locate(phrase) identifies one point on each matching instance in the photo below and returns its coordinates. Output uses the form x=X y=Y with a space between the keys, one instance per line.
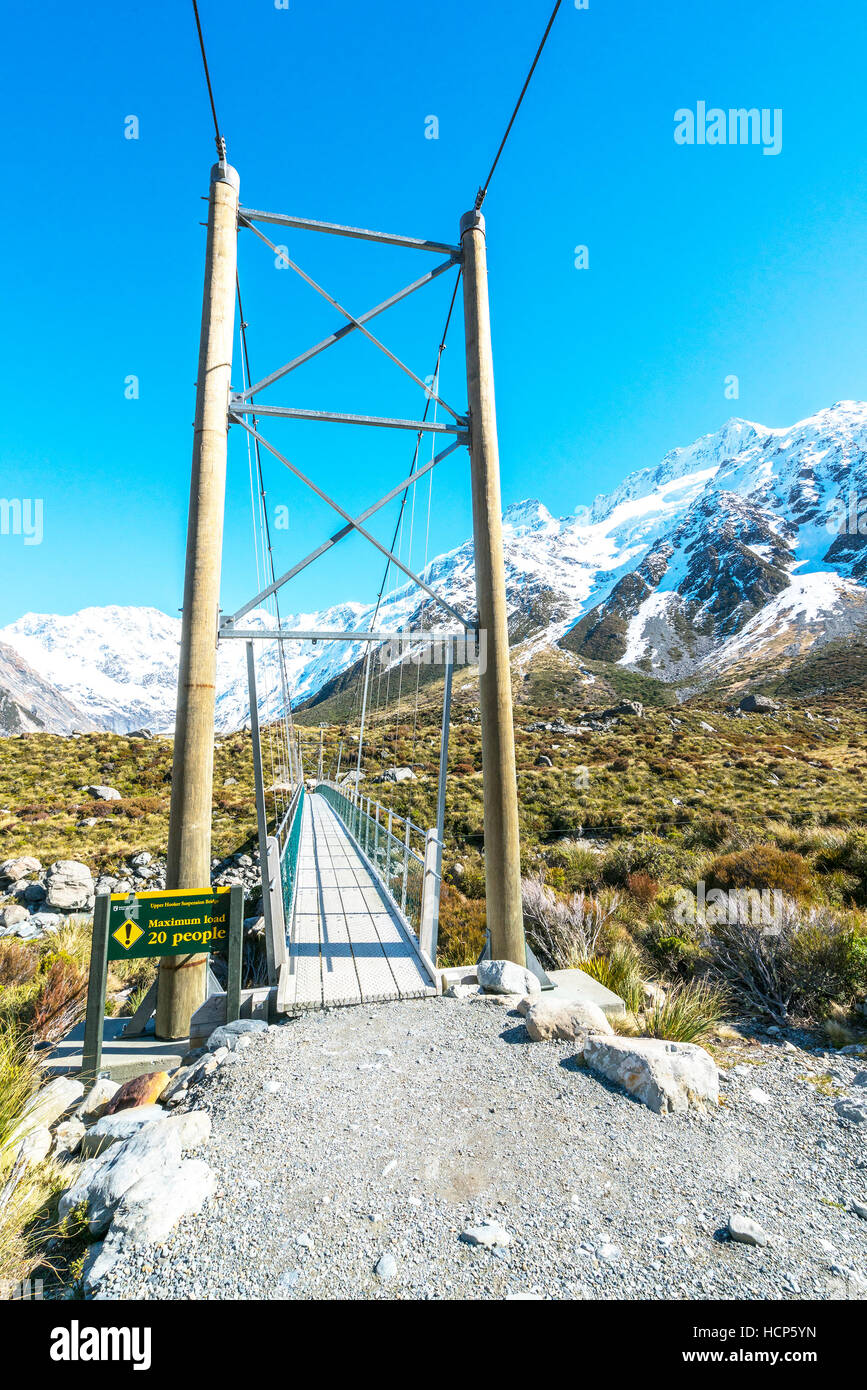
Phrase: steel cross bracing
x=241 y=405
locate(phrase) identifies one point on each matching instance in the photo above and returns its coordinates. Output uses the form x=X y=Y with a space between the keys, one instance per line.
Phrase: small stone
x=385 y=1267
x=848 y=1110
x=760 y=1097
x=489 y=1234
x=609 y=1252
x=746 y=1231
x=67 y=1138
x=860 y=1209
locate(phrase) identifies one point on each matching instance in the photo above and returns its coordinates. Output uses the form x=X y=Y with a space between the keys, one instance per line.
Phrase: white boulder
x=103 y=793
x=69 y=886
x=560 y=1020
x=101 y=1092
x=505 y=977
x=666 y=1076
x=116 y=1129
x=47 y=1106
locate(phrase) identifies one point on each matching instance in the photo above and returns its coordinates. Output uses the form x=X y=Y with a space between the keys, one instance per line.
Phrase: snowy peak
x=529 y=515
x=745 y=545
x=682 y=465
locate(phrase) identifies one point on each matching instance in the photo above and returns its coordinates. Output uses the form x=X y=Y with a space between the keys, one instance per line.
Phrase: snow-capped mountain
x=745 y=546
x=28 y=704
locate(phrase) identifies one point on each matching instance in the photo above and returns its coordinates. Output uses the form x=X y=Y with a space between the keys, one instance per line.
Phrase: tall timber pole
x=502 y=843
x=182 y=979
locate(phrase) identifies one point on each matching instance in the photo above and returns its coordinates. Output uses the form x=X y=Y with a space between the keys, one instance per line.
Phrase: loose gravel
x=355 y=1148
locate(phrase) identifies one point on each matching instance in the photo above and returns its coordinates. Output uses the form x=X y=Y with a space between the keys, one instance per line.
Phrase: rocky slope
x=28 y=703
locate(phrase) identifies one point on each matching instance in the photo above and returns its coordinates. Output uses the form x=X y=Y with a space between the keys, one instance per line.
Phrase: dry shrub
x=800 y=966
x=762 y=866
x=643 y=888
x=563 y=932
x=18 y=963
x=461 y=929
x=60 y=1001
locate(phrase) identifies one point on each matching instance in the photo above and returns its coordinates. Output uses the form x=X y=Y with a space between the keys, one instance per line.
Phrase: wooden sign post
x=186 y=922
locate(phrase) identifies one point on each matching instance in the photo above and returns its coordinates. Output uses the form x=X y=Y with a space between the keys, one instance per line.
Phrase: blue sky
x=704 y=261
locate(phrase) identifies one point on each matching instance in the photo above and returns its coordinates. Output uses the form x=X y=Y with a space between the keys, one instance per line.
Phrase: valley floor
x=346 y=1135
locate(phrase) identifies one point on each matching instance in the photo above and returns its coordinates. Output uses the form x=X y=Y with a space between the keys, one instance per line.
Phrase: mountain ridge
x=719 y=557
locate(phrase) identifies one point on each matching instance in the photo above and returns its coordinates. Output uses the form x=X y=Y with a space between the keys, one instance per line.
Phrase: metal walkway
x=347 y=942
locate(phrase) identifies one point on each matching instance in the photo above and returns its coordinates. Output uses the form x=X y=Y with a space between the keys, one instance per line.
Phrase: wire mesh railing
x=394 y=845
x=288 y=837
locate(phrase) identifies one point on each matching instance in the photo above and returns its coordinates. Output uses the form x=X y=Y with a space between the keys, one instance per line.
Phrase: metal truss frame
x=241 y=405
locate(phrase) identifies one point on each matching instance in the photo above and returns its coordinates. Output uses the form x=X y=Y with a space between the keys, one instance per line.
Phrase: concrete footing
x=122 y=1058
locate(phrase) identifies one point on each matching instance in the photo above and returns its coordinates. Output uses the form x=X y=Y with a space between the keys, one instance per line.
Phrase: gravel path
x=340 y=1137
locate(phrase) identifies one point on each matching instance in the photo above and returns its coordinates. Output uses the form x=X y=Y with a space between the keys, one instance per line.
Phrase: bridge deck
x=347 y=942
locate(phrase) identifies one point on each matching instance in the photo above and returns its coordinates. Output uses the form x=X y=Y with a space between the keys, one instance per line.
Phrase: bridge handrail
x=409 y=875
x=288 y=837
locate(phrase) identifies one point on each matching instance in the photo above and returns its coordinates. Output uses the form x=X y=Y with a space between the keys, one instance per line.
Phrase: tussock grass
x=620 y=970
x=690 y=1012
x=19 y=1078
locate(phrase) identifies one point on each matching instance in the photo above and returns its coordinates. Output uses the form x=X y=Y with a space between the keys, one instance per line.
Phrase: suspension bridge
x=350 y=890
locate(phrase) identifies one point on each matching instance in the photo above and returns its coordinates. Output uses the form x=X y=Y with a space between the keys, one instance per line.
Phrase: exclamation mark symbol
x=128 y=931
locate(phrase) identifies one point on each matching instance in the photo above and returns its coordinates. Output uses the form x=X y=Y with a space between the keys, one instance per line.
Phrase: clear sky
x=704 y=261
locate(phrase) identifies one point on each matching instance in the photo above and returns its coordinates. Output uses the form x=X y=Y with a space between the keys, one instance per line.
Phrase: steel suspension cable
x=483 y=191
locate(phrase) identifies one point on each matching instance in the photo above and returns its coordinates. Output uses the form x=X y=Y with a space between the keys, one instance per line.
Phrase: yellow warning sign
x=127 y=934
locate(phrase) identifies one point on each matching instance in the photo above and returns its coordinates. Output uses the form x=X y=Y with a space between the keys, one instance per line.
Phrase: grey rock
x=100 y=793
x=625 y=707
x=35 y=1147
x=848 y=1110
x=101 y=1092
x=505 y=977
x=758 y=704
x=21 y=867
x=192 y=1128
x=665 y=1076
x=70 y=886
x=153 y=1205
x=13 y=914
x=746 y=1231
x=490 y=1234
x=47 y=1105
x=228 y=1034
x=565 y=1021
x=385 y=1267
x=116 y=1129
x=102 y=1182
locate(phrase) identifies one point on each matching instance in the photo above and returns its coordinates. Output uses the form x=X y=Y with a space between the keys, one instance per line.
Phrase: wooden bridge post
x=182 y=979
x=502 y=843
